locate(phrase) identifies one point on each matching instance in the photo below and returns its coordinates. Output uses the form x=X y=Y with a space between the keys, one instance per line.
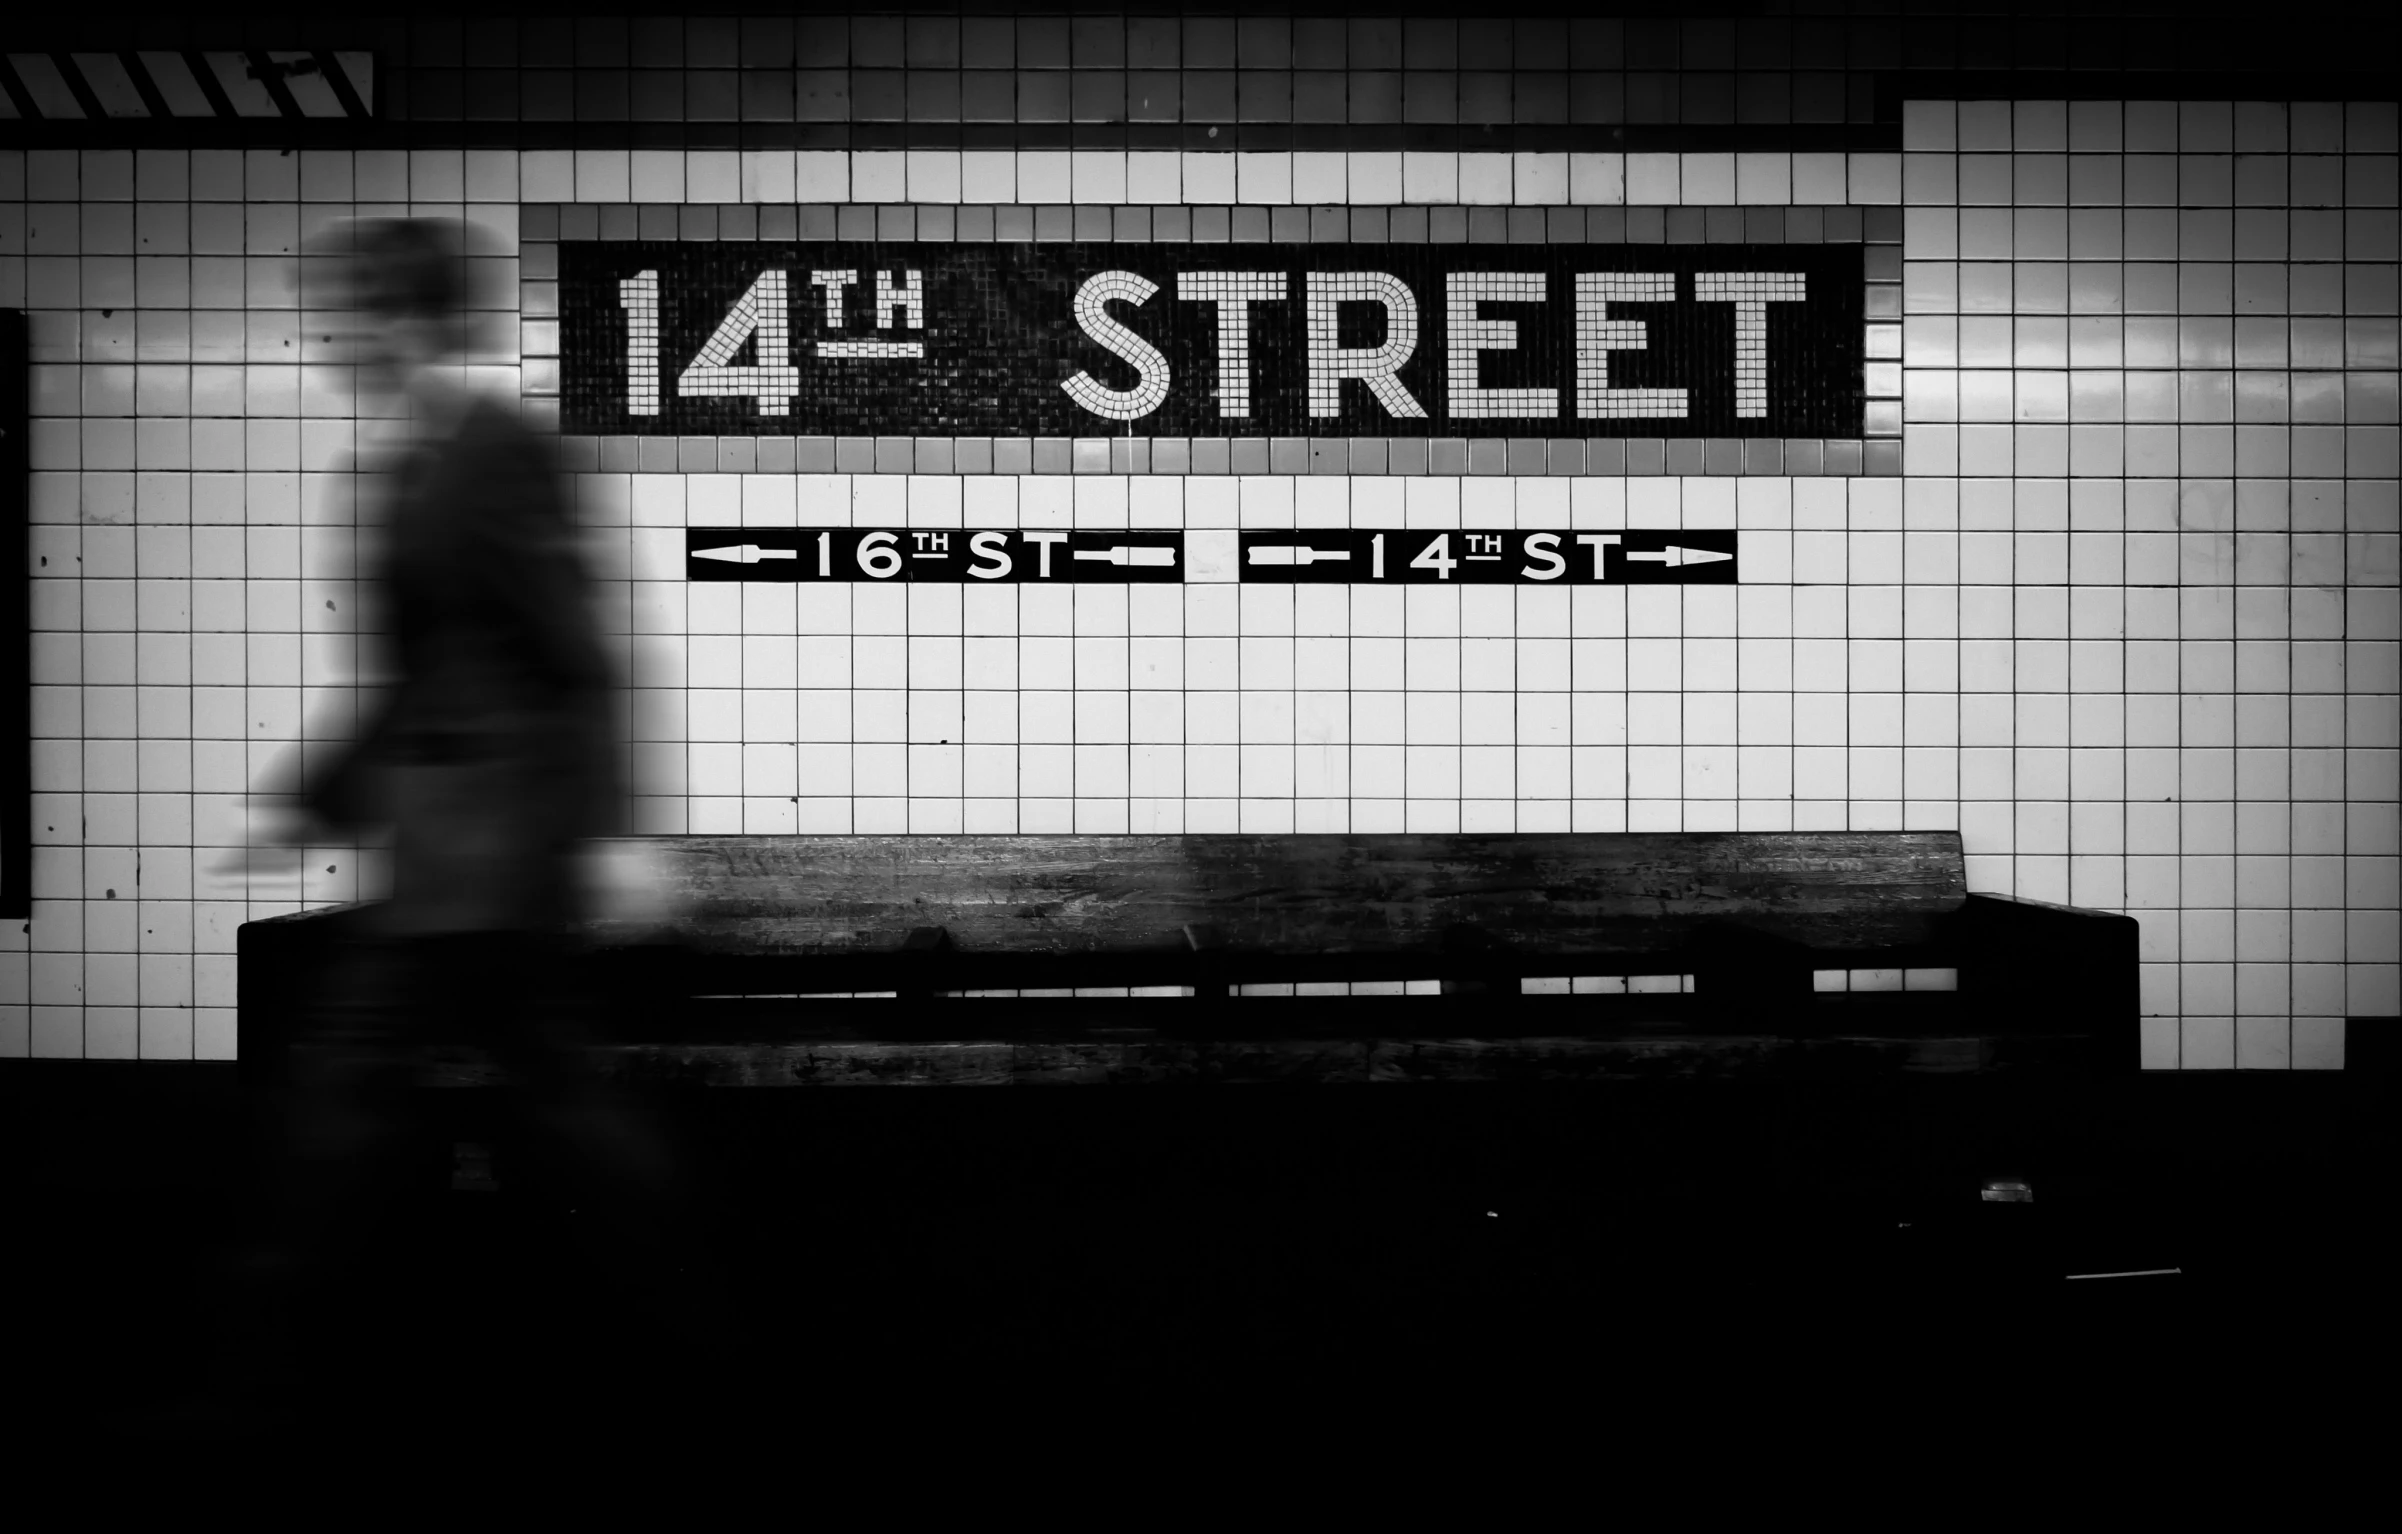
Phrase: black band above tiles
x=1892 y=89
x=1768 y=111
x=1246 y=138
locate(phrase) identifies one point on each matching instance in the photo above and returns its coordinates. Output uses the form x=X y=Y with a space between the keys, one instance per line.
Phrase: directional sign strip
x=998 y=556
x=1463 y=557
x=1275 y=556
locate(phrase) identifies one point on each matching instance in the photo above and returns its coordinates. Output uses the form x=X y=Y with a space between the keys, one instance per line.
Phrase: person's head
x=396 y=292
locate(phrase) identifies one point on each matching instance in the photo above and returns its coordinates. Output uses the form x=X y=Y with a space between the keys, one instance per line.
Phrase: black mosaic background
x=1001 y=337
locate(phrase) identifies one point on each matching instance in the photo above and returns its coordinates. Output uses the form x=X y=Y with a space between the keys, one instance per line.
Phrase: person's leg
x=572 y=1136
x=354 y=1139
x=604 y=1169
x=588 y=1152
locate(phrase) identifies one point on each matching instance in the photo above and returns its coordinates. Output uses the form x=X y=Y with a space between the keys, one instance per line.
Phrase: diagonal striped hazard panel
x=264 y=84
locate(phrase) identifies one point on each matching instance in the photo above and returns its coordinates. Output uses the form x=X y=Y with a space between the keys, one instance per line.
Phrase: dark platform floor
x=1105 y=1262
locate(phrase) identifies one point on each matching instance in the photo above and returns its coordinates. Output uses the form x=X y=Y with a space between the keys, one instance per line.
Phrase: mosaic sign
x=1280 y=556
x=698 y=338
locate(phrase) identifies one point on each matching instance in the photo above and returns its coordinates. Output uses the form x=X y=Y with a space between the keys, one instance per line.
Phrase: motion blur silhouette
x=485 y=748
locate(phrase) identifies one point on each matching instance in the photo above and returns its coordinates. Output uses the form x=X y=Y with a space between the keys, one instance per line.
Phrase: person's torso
x=483 y=592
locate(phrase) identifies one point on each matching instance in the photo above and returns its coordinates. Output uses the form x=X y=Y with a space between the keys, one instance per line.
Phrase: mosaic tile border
x=543 y=226
x=1875 y=224
x=1412 y=456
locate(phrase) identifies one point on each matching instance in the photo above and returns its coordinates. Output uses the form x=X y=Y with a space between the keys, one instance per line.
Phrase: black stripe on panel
x=19 y=96
x=78 y=87
x=219 y=103
x=152 y=101
x=271 y=75
x=339 y=83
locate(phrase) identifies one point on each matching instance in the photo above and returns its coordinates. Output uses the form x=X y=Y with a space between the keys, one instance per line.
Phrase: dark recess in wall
x=16 y=673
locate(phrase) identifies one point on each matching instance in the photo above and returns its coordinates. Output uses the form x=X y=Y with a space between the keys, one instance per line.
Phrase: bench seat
x=816 y=960
x=1137 y=1056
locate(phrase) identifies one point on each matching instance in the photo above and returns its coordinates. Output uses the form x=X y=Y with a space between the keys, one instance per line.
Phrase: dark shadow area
x=1098 y=1258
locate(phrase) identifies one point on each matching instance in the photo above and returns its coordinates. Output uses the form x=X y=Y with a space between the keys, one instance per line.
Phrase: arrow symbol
x=1280 y=554
x=1673 y=556
x=745 y=554
x=1130 y=554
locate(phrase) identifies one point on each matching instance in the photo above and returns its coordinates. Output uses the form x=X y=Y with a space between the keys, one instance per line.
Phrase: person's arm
x=338 y=792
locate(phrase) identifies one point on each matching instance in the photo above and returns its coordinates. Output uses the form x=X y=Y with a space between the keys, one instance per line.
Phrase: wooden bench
x=1140 y=960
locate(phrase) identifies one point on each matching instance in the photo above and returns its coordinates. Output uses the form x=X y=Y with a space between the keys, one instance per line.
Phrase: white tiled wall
x=2129 y=621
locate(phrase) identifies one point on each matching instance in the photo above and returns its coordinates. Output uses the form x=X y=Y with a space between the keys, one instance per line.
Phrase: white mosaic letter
x=1376 y=366
x=1234 y=293
x=1471 y=335
x=1751 y=293
x=1151 y=387
x=834 y=283
x=1597 y=335
x=638 y=295
x=759 y=317
x=909 y=297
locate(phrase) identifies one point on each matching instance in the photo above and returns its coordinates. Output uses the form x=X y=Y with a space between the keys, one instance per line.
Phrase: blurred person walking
x=486 y=748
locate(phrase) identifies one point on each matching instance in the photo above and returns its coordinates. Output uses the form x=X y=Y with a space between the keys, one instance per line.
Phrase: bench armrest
x=2023 y=962
x=277 y=962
